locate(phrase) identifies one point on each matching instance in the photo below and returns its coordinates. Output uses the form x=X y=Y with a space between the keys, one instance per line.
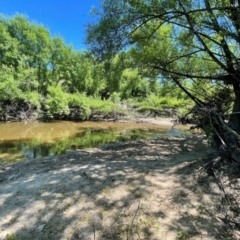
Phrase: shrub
x=57 y=101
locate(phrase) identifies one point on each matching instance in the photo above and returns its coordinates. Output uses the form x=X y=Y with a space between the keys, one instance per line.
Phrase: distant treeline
x=42 y=76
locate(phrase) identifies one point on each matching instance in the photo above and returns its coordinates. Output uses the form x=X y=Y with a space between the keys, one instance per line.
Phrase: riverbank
x=100 y=111
x=145 y=189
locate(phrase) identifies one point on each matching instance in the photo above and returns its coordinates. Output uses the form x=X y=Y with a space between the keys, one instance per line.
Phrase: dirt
x=145 y=189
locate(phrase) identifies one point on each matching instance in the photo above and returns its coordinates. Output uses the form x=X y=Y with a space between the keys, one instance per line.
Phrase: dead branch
x=133 y=219
x=221 y=187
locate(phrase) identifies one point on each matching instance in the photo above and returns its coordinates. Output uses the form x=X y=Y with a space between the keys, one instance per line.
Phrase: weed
x=182 y=236
x=10 y=236
x=201 y=209
x=106 y=191
x=138 y=195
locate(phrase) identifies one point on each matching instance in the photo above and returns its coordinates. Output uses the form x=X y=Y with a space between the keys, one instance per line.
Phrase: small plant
x=10 y=236
x=201 y=209
x=138 y=195
x=106 y=191
x=182 y=236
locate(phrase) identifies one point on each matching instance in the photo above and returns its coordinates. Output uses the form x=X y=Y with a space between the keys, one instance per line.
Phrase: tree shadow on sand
x=145 y=189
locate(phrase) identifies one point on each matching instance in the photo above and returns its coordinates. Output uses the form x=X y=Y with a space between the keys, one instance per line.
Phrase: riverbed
x=142 y=189
x=125 y=188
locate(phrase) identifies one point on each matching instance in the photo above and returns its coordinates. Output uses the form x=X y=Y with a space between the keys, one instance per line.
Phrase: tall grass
x=91 y=103
x=59 y=102
x=158 y=103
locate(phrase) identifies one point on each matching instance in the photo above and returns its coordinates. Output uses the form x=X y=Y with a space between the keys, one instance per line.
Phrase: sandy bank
x=145 y=189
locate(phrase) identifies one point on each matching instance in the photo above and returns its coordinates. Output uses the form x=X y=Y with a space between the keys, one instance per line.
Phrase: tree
x=179 y=40
x=8 y=47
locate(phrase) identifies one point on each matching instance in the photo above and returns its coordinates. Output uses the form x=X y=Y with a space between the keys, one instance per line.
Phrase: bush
x=169 y=102
x=115 y=97
x=57 y=101
x=34 y=98
x=89 y=104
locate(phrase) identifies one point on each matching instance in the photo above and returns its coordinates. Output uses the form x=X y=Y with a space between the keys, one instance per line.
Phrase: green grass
x=91 y=103
x=153 y=102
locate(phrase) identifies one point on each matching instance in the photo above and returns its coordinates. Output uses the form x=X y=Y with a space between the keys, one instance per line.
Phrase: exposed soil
x=11 y=111
x=145 y=189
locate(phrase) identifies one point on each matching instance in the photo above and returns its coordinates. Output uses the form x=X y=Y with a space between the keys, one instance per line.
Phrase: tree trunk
x=234 y=121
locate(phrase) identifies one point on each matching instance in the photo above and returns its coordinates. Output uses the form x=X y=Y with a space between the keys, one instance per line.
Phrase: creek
x=29 y=140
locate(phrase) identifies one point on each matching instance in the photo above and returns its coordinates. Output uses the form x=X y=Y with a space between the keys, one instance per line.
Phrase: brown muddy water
x=19 y=140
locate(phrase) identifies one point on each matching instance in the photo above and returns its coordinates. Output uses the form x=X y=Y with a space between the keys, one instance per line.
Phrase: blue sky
x=65 y=18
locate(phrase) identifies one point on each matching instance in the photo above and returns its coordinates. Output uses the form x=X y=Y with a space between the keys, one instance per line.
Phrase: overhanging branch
x=186 y=75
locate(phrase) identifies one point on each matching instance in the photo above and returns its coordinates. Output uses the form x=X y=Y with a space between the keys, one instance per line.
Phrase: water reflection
x=176 y=133
x=19 y=140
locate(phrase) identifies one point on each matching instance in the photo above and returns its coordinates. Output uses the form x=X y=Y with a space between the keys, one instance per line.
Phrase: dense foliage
x=40 y=76
x=191 y=43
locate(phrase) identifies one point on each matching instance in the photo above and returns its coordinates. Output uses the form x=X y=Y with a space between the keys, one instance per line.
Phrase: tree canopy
x=40 y=74
x=181 y=40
